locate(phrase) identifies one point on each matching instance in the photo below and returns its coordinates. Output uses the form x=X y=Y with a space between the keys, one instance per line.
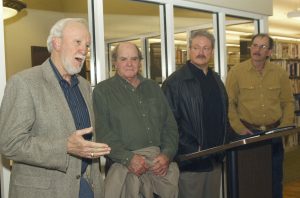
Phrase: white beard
x=71 y=70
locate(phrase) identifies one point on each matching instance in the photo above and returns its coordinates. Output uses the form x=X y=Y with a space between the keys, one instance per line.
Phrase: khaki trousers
x=119 y=183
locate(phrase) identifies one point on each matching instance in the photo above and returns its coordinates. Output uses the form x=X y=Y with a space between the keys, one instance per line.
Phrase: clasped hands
x=159 y=166
x=80 y=147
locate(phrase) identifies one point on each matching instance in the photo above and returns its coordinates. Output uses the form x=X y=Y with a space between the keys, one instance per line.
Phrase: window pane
x=186 y=21
x=136 y=22
x=239 y=32
x=154 y=51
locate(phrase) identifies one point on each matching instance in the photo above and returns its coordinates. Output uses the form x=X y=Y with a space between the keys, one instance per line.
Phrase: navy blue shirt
x=77 y=106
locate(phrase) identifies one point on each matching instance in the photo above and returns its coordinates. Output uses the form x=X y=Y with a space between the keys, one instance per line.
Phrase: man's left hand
x=160 y=165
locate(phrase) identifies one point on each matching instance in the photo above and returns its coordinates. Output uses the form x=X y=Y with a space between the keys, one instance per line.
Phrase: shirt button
x=150 y=142
x=78 y=176
x=143 y=115
x=148 y=128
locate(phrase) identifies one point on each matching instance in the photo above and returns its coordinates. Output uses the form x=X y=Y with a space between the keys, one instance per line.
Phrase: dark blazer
x=183 y=92
x=35 y=122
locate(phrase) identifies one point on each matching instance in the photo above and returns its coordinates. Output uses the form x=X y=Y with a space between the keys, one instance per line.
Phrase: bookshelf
x=287 y=54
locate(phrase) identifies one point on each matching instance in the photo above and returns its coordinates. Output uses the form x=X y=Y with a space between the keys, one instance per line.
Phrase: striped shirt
x=76 y=104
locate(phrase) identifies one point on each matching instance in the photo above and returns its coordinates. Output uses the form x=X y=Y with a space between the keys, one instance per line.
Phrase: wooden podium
x=248 y=163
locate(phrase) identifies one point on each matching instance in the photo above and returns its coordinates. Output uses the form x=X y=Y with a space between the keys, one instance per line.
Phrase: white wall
x=35 y=28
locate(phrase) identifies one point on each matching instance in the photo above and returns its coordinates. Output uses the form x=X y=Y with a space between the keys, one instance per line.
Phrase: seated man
x=133 y=117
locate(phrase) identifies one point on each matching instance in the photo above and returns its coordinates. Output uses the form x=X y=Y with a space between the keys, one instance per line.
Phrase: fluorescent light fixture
x=12 y=7
x=294 y=14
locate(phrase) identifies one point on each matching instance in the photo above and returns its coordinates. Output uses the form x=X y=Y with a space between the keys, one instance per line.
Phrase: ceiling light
x=12 y=7
x=294 y=14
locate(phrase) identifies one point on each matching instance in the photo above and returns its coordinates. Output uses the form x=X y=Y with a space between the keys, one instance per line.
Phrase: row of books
x=293 y=69
x=295 y=86
x=291 y=66
x=286 y=50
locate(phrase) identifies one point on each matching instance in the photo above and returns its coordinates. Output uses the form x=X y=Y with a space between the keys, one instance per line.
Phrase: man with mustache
x=260 y=98
x=46 y=120
x=198 y=99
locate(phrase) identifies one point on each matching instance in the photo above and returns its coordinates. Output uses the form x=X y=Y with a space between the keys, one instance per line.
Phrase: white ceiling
x=279 y=24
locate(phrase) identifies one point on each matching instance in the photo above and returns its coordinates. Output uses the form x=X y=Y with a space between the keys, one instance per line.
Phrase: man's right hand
x=80 y=147
x=138 y=165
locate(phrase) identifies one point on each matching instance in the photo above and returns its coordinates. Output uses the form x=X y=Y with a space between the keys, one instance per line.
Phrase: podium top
x=265 y=135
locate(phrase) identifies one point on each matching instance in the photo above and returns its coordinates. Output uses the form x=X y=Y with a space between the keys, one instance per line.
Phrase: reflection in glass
x=154 y=52
x=239 y=32
x=181 y=48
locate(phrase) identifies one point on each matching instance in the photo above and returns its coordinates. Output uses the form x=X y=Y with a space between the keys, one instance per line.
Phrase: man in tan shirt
x=260 y=98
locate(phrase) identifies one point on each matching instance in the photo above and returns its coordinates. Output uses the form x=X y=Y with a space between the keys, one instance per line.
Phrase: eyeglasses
x=197 y=48
x=259 y=46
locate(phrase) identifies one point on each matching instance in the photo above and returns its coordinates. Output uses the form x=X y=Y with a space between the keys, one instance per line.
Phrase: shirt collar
x=125 y=82
x=198 y=71
x=267 y=66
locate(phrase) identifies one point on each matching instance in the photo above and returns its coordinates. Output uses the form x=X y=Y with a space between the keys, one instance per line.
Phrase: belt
x=261 y=127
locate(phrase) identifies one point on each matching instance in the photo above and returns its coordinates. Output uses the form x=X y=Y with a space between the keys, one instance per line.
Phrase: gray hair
x=204 y=33
x=58 y=28
x=114 y=54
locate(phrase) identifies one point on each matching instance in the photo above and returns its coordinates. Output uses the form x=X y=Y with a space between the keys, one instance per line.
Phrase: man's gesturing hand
x=78 y=146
